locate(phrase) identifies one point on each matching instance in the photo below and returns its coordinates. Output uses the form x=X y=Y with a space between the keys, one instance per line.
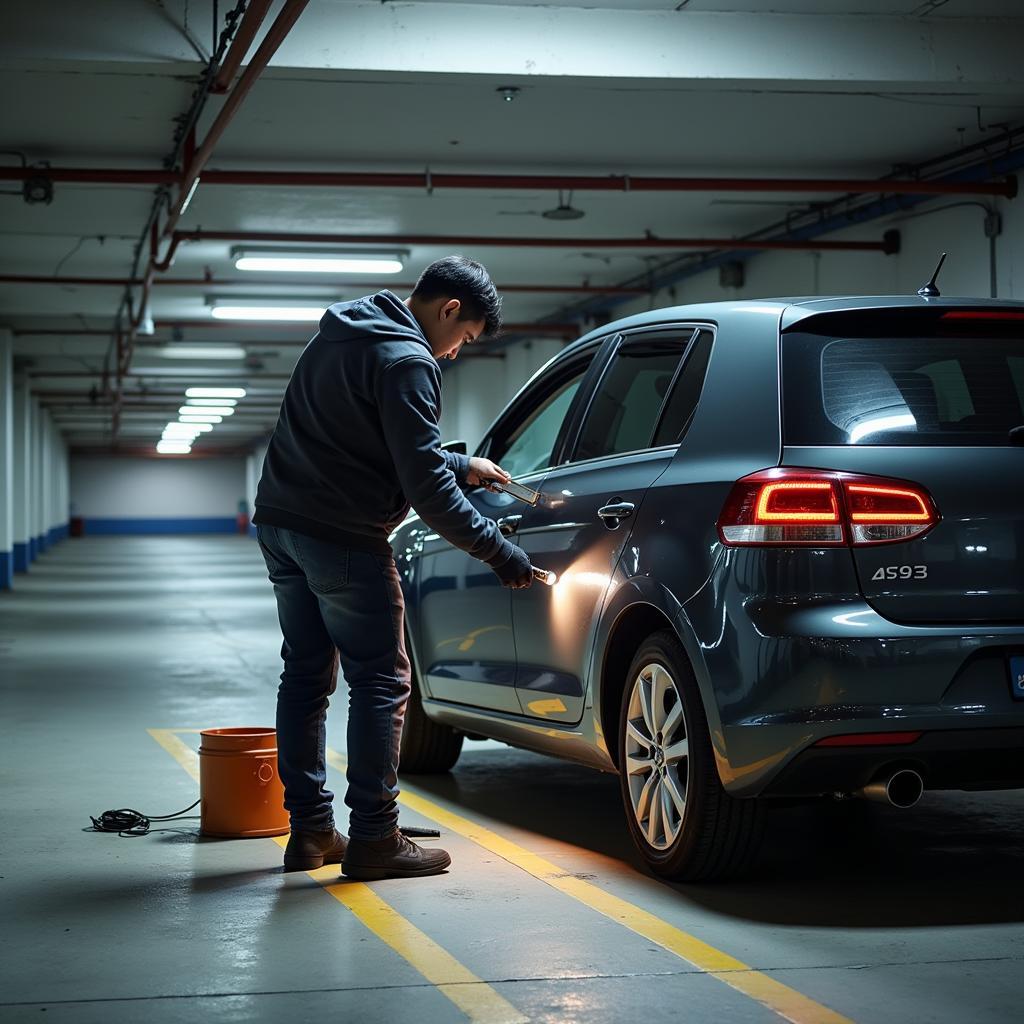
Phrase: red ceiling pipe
x=1006 y=187
x=242 y=373
x=56 y=332
x=204 y=282
x=261 y=58
x=307 y=329
x=91 y=175
x=429 y=181
x=149 y=451
x=647 y=242
x=250 y=24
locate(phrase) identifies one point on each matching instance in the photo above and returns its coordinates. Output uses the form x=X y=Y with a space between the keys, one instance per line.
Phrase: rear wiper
x=1017 y=435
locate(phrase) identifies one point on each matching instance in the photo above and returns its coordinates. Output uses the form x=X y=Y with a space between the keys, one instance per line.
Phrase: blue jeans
x=337 y=603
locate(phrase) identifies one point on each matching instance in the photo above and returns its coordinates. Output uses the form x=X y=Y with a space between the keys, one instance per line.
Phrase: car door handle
x=509 y=524
x=616 y=511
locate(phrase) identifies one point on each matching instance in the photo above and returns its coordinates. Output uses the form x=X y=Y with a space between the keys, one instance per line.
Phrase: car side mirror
x=459 y=447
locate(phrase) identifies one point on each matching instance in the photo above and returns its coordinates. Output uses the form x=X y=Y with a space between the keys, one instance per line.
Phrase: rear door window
x=682 y=400
x=628 y=401
x=949 y=383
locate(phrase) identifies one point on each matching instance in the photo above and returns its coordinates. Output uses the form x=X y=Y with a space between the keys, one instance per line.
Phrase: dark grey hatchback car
x=789 y=536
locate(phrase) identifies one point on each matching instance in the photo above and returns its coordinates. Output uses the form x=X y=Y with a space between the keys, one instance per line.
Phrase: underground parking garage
x=511 y=512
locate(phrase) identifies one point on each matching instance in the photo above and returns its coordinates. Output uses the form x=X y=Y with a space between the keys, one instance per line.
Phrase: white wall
x=125 y=488
x=475 y=390
x=927 y=231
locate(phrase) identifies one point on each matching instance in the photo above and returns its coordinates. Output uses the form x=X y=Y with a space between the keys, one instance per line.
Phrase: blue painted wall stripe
x=209 y=524
x=6 y=570
x=20 y=557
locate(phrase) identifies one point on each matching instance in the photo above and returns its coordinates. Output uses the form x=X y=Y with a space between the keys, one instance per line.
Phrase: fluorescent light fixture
x=314 y=261
x=175 y=429
x=199 y=403
x=215 y=410
x=289 y=314
x=174 y=351
x=146 y=326
x=199 y=418
x=173 y=448
x=188 y=198
x=215 y=393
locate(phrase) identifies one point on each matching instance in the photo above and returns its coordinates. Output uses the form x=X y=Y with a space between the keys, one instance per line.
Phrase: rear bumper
x=950 y=759
x=782 y=668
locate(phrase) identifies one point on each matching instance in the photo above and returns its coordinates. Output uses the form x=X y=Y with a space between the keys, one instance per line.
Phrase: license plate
x=1017 y=677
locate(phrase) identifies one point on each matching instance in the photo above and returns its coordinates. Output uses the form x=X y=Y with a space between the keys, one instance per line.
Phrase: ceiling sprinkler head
x=564 y=210
x=508 y=92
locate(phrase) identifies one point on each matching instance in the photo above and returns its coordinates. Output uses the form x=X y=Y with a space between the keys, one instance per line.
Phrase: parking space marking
x=472 y=995
x=181 y=752
x=781 y=999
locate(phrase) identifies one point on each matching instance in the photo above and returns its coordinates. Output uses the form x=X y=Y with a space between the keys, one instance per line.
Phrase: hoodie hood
x=379 y=317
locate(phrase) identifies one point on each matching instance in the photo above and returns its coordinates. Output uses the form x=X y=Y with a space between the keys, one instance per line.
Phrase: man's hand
x=484 y=473
x=516 y=572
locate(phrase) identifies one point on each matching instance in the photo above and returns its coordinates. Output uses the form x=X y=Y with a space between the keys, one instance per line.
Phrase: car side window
x=682 y=402
x=629 y=399
x=528 y=445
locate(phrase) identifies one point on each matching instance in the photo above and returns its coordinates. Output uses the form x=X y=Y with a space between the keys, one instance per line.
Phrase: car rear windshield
x=949 y=378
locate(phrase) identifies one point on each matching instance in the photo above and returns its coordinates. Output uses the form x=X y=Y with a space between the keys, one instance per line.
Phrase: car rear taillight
x=815 y=508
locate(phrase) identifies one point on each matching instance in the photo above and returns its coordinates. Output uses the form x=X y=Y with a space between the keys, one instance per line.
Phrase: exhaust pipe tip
x=903 y=789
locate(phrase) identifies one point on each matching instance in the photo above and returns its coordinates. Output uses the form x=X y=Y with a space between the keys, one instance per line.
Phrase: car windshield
x=960 y=382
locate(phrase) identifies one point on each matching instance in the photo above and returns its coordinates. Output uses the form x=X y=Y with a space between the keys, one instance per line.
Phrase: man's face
x=447 y=333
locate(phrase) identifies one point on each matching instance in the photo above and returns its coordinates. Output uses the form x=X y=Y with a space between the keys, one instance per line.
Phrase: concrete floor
x=873 y=915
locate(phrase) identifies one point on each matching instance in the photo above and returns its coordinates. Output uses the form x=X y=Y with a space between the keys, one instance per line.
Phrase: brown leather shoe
x=394 y=857
x=309 y=850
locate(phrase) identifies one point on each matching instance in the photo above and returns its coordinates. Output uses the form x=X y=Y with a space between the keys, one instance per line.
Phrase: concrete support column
x=6 y=462
x=54 y=515
x=251 y=479
x=63 y=512
x=35 y=479
x=21 y=485
x=45 y=458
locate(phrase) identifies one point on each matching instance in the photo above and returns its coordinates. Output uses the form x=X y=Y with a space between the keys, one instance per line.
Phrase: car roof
x=786 y=310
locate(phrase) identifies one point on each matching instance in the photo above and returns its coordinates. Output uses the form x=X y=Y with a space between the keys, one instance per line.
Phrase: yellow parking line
x=473 y=996
x=786 y=1002
x=181 y=752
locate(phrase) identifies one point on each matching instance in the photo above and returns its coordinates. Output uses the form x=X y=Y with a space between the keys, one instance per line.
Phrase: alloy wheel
x=657 y=756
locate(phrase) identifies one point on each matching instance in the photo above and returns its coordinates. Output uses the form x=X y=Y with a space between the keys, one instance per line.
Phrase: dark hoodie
x=357 y=439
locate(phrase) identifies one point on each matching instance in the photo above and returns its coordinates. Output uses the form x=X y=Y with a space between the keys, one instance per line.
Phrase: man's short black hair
x=456 y=277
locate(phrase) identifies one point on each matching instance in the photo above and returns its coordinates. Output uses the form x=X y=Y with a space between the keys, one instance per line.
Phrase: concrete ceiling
x=705 y=88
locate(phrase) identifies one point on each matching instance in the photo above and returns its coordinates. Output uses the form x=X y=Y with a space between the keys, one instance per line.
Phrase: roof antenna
x=930 y=290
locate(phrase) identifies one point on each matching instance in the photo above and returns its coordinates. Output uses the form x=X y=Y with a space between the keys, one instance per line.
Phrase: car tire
x=427 y=747
x=706 y=834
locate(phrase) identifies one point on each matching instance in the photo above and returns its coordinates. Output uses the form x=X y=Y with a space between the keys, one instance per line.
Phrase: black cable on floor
x=130 y=823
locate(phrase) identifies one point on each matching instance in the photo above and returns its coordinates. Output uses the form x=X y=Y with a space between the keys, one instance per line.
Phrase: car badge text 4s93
x=901 y=572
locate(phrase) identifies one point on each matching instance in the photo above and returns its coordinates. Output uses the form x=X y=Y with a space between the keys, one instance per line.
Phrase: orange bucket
x=240 y=791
